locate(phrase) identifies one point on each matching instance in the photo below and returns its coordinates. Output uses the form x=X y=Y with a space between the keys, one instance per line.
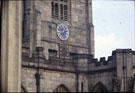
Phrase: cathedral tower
x=65 y=31
x=62 y=27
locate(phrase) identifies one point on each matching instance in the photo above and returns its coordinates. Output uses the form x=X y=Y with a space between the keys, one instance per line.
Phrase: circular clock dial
x=62 y=31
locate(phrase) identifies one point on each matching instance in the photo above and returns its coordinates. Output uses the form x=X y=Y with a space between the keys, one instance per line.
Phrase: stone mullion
x=58 y=9
x=68 y=10
x=61 y=12
x=53 y=9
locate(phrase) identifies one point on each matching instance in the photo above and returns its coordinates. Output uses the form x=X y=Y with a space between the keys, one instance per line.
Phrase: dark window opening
x=50 y=30
x=60 y=9
x=56 y=10
x=61 y=88
x=81 y=86
x=52 y=53
x=53 y=9
x=65 y=12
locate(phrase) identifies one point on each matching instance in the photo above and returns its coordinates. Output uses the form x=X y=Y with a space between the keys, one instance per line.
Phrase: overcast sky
x=114 y=25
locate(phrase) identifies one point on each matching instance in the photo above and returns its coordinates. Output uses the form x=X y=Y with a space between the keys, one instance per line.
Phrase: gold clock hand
x=62 y=31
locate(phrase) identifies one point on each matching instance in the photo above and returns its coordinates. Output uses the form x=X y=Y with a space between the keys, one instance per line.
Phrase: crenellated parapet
x=102 y=63
x=118 y=56
x=117 y=70
x=87 y=63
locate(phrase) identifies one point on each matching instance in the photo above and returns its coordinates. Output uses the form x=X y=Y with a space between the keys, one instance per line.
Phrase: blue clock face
x=62 y=31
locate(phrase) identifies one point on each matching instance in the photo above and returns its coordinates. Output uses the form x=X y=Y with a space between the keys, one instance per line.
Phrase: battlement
x=122 y=51
x=83 y=62
x=102 y=63
x=110 y=62
x=102 y=60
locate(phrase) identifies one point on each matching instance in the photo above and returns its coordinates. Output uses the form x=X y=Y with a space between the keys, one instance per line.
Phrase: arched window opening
x=56 y=10
x=60 y=9
x=99 y=87
x=61 y=88
x=53 y=15
x=65 y=12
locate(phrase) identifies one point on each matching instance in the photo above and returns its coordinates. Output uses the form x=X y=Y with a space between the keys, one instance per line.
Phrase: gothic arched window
x=61 y=88
x=99 y=87
x=60 y=9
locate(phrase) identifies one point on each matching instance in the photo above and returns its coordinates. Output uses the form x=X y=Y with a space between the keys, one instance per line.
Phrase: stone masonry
x=78 y=70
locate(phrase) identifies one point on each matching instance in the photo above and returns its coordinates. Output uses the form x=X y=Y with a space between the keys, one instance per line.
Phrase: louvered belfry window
x=60 y=9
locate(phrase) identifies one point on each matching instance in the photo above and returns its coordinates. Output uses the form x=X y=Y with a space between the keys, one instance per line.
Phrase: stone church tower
x=43 y=23
x=41 y=20
x=48 y=46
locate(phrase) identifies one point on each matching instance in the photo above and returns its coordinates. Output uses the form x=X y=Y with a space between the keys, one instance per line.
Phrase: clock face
x=62 y=31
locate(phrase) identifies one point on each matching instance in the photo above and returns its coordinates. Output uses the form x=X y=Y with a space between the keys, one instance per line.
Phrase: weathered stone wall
x=102 y=72
x=84 y=72
x=49 y=45
x=125 y=65
x=90 y=71
x=49 y=81
x=105 y=78
x=83 y=83
x=77 y=41
x=116 y=73
x=133 y=63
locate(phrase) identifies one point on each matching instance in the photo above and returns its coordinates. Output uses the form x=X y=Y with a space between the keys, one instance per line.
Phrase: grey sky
x=113 y=25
